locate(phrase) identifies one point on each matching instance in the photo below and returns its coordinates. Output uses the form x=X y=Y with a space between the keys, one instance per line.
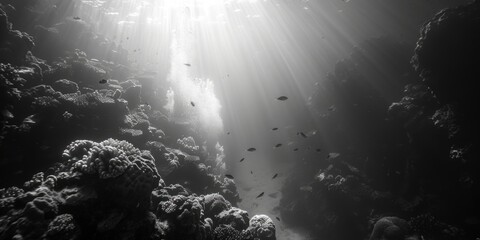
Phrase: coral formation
x=390 y=228
x=188 y=144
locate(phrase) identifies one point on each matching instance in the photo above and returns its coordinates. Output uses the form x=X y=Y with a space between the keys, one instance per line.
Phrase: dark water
x=339 y=119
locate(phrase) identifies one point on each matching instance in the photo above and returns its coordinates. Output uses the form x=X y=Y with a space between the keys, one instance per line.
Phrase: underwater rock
x=92 y=174
x=235 y=217
x=226 y=232
x=215 y=204
x=451 y=34
x=63 y=227
x=185 y=212
x=65 y=86
x=429 y=227
x=133 y=96
x=390 y=228
x=126 y=172
x=187 y=144
x=14 y=44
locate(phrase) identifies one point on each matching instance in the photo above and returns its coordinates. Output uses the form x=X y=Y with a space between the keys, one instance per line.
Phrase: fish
x=278 y=145
x=303 y=135
x=251 y=172
x=103 y=81
x=318 y=150
x=320 y=177
x=273 y=195
x=274 y=176
x=228 y=133
x=295 y=149
x=274 y=129
x=241 y=160
x=30 y=119
x=333 y=155
x=187 y=64
x=282 y=98
x=7 y=114
x=260 y=195
x=76 y=18
x=229 y=176
x=192 y=103
x=252 y=149
x=332 y=108
x=306 y=188
x=278 y=218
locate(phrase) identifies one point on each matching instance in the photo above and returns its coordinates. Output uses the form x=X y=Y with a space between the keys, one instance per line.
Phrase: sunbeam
x=239 y=119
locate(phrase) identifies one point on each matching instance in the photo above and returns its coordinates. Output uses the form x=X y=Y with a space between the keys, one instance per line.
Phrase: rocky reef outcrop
x=111 y=189
x=413 y=173
x=139 y=183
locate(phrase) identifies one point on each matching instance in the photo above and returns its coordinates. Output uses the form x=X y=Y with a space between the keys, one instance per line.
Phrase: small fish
x=228 y=133
x=251 y=172
x=320 y=176
x=273 y=195
x=76 y=18
x=278 y=218
x=252 y=149
x=282 y=98
x=333 y=155
x=260 y=195
x=187 y=64
x=192 y=103
x=303 y=135
x=332 y=108
x=306 y=188
x=7 y=114
x=103 y=81
x=278 y=145
x=229 y=176
x=295 y=149
x=318 y=150
x=274 y=176
x=241 y=160
x=274 y=129
x=30 y=119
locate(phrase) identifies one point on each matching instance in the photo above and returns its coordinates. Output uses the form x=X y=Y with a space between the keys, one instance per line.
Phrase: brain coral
x=108 y=159
x=188 y=144
x=128 y=174
x=262 y=227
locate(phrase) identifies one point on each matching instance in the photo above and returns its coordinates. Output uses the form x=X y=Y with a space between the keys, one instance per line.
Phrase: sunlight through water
x=226 y=62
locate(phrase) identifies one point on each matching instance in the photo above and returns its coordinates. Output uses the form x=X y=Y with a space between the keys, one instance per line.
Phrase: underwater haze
x=239 y=119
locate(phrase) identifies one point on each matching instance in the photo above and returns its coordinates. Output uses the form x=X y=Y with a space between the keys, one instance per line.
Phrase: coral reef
x=52 y=96
x=111 y=189
x=14 y=44
x=188 y=144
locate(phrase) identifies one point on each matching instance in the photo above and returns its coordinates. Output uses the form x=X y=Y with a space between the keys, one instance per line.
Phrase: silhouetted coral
x=390 y=228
